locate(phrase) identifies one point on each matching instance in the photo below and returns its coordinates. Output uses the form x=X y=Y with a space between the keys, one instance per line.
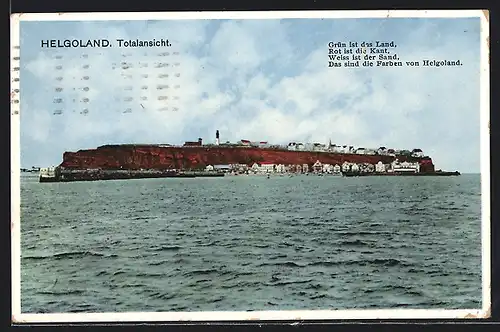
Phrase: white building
x=255 y=168
x=209 y=168
x=317 y=166
x=370 y=151
x=223 y=168
x=336 y=148
x=299 y=146
x=327 y=168
x=263 y=145
x=318 y=147
x=308 y=146
x=245 y=142
x=337 y=168
x=382 y=151
x=417 y=153
x=346 y=167
x=239 y=167
x=47 y=172
x=379 y=167
x=266 y=167
x=355 y=168
x=369 y=168
x=305 y=168
x=405 y=166
x=280 y=168
x=360 y=151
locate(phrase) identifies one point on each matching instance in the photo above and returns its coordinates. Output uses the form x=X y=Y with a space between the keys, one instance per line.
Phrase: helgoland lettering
x=74 y=43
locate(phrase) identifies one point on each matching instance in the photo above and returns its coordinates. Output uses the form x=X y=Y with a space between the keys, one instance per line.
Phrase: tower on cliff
x=217 y=137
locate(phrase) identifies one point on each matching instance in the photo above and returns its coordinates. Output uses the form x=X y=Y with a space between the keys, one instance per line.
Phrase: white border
x=484 y=312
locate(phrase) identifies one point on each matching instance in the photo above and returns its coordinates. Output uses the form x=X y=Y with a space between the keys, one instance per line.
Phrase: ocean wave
x=371 y=233
x=200 y=272
x=167 y=248
x=72 y=254
x=354 y=243
x=62 y=293
x=408 y=290
x=287 y=264
x=319 y=296
x=290 y=282
x=150 y=275
x=363 y=262
x=163 y=296
x=277 y=257
x=141 y=218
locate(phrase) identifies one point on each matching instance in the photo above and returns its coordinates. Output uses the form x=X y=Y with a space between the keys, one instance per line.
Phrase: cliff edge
x=135 y=157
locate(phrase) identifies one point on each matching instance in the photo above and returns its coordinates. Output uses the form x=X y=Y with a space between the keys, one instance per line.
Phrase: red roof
x=245 y=141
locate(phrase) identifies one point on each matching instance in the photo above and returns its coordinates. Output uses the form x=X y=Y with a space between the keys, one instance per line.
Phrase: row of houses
x=317 y=167
x=383 y=151
x=317 y=147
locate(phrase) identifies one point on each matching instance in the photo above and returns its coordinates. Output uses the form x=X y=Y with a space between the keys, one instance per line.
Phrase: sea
x=249 y=243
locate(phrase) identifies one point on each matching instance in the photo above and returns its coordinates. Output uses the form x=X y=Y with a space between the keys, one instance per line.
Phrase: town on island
x=245 y=157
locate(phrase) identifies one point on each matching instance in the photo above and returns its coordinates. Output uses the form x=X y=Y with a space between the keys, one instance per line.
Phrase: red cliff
x=197 y=157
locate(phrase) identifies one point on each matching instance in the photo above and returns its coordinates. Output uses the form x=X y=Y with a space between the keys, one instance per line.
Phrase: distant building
x=336 y=148
x=382 y=151
x=281 y=168
x=355 y=168
x=245 y=142
x=239 y=167
x=370 y=151
x=267 y=167
x=327 y=168
x=369 y=168
x=318 y=147
x=405 y=166
x=209 y=168
x=317 y=166
x=223 y=168
x=418 y=153
x=197 y=143
x=379 y=167
x=360 y=151
x=337 y=168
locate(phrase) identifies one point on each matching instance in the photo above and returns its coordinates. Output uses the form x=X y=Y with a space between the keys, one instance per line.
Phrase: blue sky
x=252 y=79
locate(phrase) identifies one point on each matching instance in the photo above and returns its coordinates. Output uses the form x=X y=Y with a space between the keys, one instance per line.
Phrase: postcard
x=215 y=166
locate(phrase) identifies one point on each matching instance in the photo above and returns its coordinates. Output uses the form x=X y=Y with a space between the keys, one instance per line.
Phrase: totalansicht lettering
x=103 y=43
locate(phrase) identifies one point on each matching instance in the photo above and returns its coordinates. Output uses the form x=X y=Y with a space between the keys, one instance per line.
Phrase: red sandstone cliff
x=156 y=157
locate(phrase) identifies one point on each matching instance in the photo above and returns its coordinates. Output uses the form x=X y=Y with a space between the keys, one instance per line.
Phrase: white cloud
x=247 y=79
